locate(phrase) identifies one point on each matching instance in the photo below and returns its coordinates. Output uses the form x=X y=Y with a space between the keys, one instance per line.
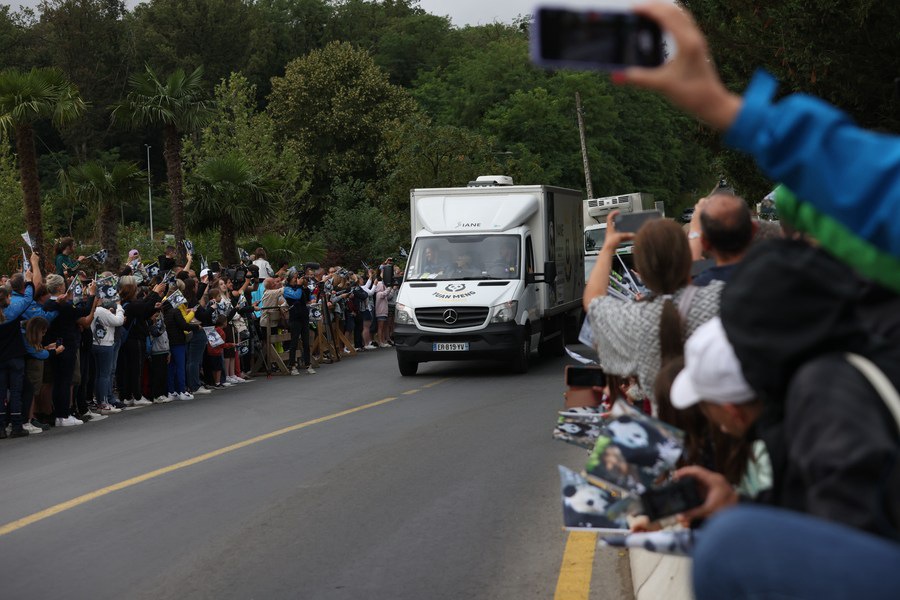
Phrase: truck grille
x=457 y=317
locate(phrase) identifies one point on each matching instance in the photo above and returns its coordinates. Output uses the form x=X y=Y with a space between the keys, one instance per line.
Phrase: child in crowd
x=108 y=318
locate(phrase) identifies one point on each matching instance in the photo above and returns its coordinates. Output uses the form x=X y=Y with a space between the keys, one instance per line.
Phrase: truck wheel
x=520 y=360
x=407 y=367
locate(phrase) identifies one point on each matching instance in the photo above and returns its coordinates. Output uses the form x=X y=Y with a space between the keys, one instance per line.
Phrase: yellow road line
x=577 y=566
x=64 y=506
x=411 y=392
x=434 y=383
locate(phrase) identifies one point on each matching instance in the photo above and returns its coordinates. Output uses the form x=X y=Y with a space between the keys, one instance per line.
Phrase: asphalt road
x=450 y=490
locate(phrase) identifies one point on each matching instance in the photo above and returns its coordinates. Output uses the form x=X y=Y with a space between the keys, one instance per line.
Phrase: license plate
x=450 y=347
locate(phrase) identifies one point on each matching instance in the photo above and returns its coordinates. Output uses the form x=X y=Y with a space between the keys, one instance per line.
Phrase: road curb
x=656 y=576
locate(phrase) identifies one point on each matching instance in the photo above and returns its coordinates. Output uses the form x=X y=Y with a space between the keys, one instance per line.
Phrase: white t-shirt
x=265 y=269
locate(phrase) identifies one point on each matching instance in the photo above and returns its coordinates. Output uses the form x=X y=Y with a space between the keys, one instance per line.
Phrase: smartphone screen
x=672 y=499
x=585 y=376
x=631 y=222
x=605 y=40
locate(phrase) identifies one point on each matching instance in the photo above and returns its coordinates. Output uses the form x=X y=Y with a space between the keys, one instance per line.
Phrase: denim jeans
x=757 y=553
x=176 y=368
x=104 y=357
x=12 y=376
x=194 y=359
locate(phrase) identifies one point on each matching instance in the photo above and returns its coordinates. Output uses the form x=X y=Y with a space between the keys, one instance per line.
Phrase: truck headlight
x=506 y=312
x=402 y=315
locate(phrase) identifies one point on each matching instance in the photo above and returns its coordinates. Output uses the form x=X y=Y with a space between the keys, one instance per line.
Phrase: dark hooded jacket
x=792 y=313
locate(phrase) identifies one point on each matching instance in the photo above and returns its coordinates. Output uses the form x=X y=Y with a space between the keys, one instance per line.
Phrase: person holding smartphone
x=635 y=338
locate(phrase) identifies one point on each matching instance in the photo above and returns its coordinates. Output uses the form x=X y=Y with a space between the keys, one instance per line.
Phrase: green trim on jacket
x=838 y=240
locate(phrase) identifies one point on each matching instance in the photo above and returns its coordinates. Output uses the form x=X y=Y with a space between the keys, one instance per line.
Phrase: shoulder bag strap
x=879 y=381
x=685 y=300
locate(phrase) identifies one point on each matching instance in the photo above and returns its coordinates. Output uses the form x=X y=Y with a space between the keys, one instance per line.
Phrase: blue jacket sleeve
x=36 y=310
x=846 y=172
x=18 y=304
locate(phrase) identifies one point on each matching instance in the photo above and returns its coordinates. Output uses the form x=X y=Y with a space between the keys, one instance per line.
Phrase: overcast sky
x=461 y=12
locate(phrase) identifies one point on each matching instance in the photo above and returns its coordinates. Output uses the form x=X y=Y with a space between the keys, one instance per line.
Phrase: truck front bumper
x=497 y=341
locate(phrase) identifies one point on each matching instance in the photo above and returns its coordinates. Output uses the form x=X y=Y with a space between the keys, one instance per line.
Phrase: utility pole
x=589 y=187
x=149 y=192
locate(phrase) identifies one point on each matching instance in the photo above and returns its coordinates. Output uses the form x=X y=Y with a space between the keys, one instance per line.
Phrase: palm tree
x=95 y=184
x=26 y=98
x=178 y=105
x=226 y=191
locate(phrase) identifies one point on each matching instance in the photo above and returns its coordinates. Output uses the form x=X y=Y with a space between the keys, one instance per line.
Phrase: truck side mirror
x=550 y=272
x=548 y=276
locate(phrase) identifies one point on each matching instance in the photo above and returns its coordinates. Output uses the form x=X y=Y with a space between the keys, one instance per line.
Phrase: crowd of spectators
x=77 y=346
x=781 y=362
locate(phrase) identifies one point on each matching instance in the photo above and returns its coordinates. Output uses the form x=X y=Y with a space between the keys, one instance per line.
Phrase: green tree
x=228 y=194
x=87 y=40
x=418 y=153
x=335 y=106
x=478 y=78
x=105 y=188
x=25 y=99
x=178 y=105
x=218 y=35
x=354 y=229
x=10 y=205
x=844 y=51
x=237 y=128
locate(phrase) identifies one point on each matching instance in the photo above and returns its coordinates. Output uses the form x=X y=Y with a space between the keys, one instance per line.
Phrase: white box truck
x=595 y=211
x=495 y=271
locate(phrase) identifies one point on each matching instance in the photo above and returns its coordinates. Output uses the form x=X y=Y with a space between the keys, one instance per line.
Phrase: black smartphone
x=604 y=40
x=671 y=499
x=585 y=376
x=631 y=222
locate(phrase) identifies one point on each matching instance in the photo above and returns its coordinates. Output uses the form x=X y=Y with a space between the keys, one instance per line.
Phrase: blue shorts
x=382 y=318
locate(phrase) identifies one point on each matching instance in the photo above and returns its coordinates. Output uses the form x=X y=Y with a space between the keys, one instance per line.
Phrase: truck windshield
x=593 y=240
x=458 y=257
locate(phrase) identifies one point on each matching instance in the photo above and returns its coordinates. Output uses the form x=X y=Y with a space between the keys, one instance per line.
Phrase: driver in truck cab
x=505 y=263
x=462 y=266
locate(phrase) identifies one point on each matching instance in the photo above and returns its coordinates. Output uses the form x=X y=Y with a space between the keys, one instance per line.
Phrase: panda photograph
x=634 y=451
x=586 y=506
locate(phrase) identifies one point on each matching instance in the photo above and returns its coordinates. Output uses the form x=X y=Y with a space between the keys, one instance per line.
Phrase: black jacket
x=792 y=312
x=65 y=325
x=176 y=325
x=137 y=315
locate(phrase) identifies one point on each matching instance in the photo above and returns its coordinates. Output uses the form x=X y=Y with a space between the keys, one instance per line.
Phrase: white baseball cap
x=204 y=272
x=712 y=372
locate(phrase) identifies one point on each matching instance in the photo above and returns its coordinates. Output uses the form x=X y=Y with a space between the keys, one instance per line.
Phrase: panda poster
x=586 y=506
x=634 y=451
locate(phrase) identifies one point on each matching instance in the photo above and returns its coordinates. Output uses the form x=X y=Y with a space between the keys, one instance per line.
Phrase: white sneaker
x=202 y=390
x=31 y=428
x=129 y=402
x=95 y=416
x=142 y=402
x=185 y=396
x=173 y=396
x=239 y=379
x=227 y=384
x=311 y=371
x=384 y=345
x=372 y=346
x=346 y=350
x=107 y=409
x=247 y=379
x=68 y=421
x=295 y=371
x=161 y=400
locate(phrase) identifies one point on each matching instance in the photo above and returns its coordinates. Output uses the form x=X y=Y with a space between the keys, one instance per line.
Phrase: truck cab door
x=530 y=297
